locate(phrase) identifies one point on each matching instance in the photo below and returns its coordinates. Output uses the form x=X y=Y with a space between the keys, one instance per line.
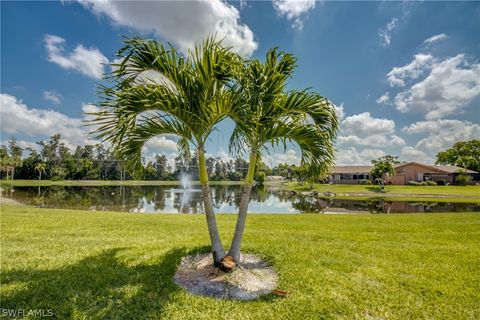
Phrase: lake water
x=175 y=199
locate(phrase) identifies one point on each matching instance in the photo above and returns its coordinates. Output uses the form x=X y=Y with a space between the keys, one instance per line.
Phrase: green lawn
x=115 y=265
x=453 y=191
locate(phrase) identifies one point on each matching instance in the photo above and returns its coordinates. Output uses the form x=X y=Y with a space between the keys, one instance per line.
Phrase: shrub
x=463 y=179
x=413 y=183
x=431 y=183
x=442 y=182
x=56 y=178
x=260 y=178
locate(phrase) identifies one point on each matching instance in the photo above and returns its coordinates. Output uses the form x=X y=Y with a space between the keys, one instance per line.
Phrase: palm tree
x=40 y=168
x=266 y=115
x=157 y=91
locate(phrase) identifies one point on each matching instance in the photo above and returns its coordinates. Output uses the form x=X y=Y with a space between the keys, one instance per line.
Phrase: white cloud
x=294 y=10
x=384 y=98
x=24 y=145
x=442 y=134
x=364 y=125
x=222 y=154
x=409 y=153
x=385 y=34
x=351 y=156
x=274 y=159
x=89 y=108
x=183 y=23
x=451 y=85
x=88 y=61
x=160 y=145
x=339 y=111
x=436 y=38
x=18 y=118
x=363 y=129
x=53 y=97
x=420 y=64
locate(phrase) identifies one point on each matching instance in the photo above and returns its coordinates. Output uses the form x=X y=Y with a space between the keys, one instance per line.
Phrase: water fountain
x=185 y=192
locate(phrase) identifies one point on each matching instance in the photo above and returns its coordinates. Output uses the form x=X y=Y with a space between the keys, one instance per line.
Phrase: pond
x=226 y=199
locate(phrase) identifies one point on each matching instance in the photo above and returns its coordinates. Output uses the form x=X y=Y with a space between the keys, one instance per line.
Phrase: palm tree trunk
x=243 y=210
x=218 y=250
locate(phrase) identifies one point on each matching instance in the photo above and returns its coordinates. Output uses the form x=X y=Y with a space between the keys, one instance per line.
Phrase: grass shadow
x=99 y=286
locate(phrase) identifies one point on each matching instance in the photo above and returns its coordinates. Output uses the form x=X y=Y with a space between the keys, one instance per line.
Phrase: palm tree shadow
x=99 y=286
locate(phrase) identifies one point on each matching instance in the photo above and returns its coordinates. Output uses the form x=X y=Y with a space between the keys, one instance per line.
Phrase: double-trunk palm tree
x=158 y=91
x=266 y=114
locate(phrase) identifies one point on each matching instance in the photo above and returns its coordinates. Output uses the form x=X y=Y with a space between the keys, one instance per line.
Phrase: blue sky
x=405 y=76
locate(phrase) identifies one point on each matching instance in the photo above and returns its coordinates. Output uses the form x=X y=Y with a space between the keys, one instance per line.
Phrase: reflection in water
x=226 y=199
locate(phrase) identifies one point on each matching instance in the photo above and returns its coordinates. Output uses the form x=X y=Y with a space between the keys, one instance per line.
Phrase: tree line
x=55 y=161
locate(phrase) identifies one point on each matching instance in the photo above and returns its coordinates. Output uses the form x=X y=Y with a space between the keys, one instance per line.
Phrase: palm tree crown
x=158 y=91
x=266 y=114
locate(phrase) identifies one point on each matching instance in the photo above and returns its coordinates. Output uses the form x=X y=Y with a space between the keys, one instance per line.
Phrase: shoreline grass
x=452 y=191
x=85 y=264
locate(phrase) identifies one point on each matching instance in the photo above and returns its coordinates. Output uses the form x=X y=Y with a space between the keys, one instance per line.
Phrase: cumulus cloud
x=294 y=10
x=18 y=118
x=451 y=85
x=384 y=98
x=339 y=110
x=385 y=34
x=435 y=38
x=53 y=97
x=364 y=125
x=87 y=61
x=351 y=156
x=421 y=63
x=409 y=153
x=160 y=145
x=183 y=23
x=363 y=129
x=442 y=133
x=274 y=159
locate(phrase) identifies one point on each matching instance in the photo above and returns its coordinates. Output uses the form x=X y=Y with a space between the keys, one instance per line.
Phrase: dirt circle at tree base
x=251 y=279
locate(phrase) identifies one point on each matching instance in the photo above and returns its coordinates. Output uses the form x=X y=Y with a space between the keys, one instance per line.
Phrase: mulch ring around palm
x=249 y=280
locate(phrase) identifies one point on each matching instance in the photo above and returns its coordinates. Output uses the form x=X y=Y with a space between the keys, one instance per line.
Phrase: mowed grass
x=453 y=191
x=108 y=265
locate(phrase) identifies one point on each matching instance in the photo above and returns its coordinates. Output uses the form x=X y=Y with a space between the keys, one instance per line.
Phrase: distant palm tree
x=40 y=168
x=157 y=91
x=266 y=114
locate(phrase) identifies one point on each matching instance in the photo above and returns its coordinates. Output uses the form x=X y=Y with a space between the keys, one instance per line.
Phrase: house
x=404 y=172
x=350 y=174
x=414 y=171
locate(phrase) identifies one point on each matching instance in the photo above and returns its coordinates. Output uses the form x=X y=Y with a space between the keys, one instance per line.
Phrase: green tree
x=158 y=91
x=40 y=168
x=465 y=154
x=383 y=167
x=161 y=167
x=5 y=161
x=15 y=152
x=266 y=114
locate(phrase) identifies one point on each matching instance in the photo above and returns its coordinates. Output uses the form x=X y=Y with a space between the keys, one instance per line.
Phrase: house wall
x=349 y=178
x=415 y=172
